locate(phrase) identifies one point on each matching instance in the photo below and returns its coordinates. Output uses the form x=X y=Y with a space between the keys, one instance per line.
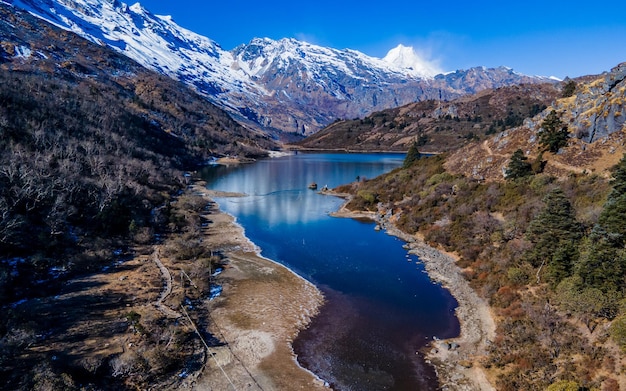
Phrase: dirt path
x=565 y=167
x=167 y=290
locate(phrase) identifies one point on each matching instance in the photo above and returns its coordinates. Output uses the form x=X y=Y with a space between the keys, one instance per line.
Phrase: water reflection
x=381 y=306
x=277 y=189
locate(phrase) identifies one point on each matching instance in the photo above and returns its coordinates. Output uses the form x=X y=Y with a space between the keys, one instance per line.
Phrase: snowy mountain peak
x=406 y=58
x=281 y=85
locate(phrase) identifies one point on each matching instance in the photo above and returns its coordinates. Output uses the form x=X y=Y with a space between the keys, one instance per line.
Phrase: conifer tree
x=569 y=89
x=518 y=166
x=412 y=155
x=613 y=216
x=553 y=134
x=555 y=234
x=603 y=261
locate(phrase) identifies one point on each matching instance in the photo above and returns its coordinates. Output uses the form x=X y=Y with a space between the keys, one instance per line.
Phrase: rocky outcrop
x=595 y=116
x=597 y=109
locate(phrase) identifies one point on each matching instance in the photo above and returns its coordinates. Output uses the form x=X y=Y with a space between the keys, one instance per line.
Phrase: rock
x=466 y=364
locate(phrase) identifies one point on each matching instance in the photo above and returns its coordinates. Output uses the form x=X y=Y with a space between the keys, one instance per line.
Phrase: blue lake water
x=381 y=306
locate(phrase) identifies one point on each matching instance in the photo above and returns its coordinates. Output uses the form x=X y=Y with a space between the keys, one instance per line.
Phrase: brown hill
x=437 y=126
x=92 y=152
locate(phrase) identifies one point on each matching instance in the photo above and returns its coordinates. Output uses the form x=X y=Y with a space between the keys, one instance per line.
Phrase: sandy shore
x=261 y=310
x=459 y=367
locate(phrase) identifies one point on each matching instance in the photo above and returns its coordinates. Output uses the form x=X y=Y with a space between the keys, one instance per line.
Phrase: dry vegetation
x=541 y=338
x=115 y=327
x=94 y=149
x=436 y=126
x=545 y=246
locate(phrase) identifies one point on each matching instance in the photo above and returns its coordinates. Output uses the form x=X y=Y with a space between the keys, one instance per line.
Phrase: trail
x=167 y=290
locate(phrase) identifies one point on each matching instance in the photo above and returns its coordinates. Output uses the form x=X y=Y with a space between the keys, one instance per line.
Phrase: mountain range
x=283 y=87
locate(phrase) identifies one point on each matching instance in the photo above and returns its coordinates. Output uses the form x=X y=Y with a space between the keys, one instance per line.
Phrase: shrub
x=564 y=385
x=618 y=332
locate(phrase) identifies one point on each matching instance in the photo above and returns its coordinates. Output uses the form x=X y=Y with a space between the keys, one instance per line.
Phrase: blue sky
x=548 y=38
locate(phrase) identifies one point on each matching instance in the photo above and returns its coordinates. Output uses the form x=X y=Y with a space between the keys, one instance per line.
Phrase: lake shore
x=457 y=360
x=265 y=305
x=260 y=312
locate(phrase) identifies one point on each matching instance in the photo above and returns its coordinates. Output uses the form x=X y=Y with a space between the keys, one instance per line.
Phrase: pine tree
x=412 y=155
x=553 y=134
x=569 y=89
x=518 y=166
x=555 y=234
x=603 y=261
x=613 y=216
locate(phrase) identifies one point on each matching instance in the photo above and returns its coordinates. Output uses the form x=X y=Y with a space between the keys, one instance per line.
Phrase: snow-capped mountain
x=405 y=57
x=285 y=85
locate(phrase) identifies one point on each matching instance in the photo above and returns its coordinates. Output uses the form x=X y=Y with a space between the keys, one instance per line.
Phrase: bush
x=367 y=196
x=564 y=385
x=517 y=276
x=618 y=332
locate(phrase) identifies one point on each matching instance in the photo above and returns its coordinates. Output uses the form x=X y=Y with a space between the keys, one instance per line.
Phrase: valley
x=118 y=269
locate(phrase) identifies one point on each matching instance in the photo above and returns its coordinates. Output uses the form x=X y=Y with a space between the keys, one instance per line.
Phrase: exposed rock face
x=597 y=109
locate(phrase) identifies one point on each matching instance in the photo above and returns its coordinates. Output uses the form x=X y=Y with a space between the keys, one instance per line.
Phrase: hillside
x=594 y=118
x=71 y=109
x=437 y=126
x=544 y=247
x=95 y=150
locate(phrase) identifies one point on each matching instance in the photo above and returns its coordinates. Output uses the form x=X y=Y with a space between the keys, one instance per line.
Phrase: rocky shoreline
x=457 y=360
x=258 y=319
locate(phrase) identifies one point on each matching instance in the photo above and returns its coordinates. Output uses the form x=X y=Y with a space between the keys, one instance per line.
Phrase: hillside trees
x=92 y=153
x=518 y=166
x=84 y=157
x=506 y=234
x=613 y=216
x=553 y=134
x=603 y=261
x=554 y=233
x=601 y=270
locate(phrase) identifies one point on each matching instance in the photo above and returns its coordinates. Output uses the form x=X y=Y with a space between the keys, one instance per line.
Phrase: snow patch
x=23 y=51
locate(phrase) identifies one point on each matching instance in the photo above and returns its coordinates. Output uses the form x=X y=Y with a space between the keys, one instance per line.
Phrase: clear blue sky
x=548 y=38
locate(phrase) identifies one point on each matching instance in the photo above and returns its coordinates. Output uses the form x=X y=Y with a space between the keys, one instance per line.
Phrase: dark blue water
x=381 y=307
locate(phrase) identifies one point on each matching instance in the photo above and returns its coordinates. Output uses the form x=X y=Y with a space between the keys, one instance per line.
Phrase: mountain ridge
x=314 y=85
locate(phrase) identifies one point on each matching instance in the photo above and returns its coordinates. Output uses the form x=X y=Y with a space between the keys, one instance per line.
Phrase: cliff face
x=597 y=110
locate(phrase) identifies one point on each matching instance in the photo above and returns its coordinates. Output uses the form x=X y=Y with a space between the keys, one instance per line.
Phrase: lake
x=381 y=307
